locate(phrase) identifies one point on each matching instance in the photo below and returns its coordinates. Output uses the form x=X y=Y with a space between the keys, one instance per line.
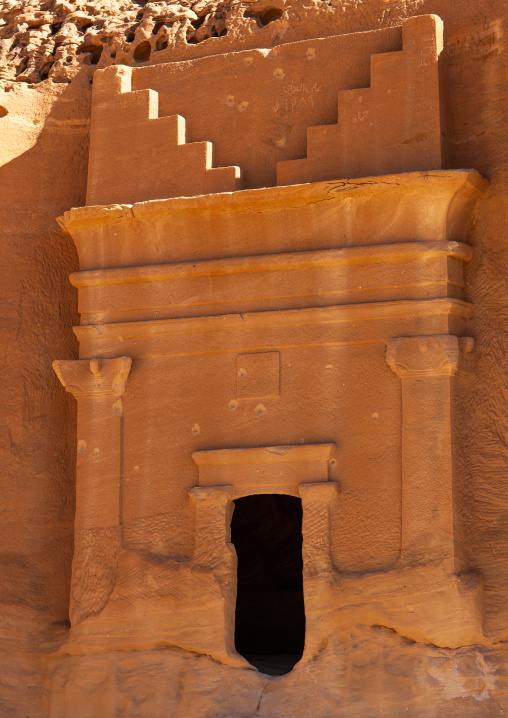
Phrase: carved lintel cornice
x=94 y=377
x=427 y=356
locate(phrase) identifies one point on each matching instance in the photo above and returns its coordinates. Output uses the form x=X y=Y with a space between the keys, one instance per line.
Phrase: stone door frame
x=229 y=474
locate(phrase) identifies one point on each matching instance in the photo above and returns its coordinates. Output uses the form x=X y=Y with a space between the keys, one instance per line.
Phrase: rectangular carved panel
x=257 y=375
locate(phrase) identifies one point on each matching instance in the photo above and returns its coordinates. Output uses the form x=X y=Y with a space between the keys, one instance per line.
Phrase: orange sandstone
x=287 y=496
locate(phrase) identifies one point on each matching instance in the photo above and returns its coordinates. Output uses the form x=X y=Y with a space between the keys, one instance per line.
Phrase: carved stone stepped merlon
x=98 y=385
x=135 y=155
x=428 y=366
x=392 y=126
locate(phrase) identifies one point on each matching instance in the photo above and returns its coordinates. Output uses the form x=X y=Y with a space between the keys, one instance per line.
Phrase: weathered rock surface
x=56 y=39
x=372 y=673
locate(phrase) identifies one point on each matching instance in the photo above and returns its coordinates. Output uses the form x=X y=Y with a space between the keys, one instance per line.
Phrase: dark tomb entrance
x=266 y=530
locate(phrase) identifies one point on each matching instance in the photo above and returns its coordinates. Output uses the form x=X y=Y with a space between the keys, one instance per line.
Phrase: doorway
x=266 y=530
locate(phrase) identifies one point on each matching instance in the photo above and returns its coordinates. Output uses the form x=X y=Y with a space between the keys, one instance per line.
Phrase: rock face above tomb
x=59 y=39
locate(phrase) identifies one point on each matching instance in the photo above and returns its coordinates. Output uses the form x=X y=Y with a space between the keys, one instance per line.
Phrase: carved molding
x=322 y=276
x=264 y=469
x=437 y=355
x=261 y=331
x=94 y=377
x=264 y=455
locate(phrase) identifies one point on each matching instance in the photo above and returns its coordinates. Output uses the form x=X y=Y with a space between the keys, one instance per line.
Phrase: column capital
x=221 y=495
x=326 y=491
x=434 y=355
x=94 y=377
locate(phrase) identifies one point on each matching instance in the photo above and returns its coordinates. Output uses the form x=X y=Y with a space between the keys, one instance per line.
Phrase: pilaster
x=427 y=366
x=98 y=386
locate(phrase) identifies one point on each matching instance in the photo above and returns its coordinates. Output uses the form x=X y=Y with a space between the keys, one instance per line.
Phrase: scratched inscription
x=296 y=96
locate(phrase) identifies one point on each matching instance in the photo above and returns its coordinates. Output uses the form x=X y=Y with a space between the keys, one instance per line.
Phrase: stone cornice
x=420 y=206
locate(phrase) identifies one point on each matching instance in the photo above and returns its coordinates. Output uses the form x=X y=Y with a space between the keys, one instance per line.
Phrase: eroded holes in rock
x=44 y=72
x=198 y=22
x=94 y=50
x=129 y=36
x=157 y=27
x=194 y=39
x=266 y=16
x=142 y=52
x=161 y=43
x=270 y=14
x=266 y=530
x=22 y=66
x=3 y=111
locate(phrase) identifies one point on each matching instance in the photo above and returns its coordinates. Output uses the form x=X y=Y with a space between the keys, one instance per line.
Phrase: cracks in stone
x=348 y=185
x=433 y=646
x=316 y=201
x=261 y=694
